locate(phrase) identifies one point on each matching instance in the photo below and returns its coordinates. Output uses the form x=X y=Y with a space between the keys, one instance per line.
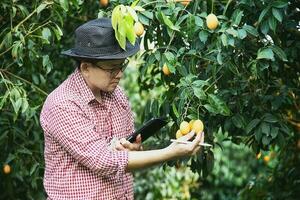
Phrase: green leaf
x=219 y=58
x=274 y=132
x=116 y=16
x=251 y=30
x=203 y=35
x=16 y=104
x=277 y=14
x=224 y=40
x=211 y=109
x=175 y=110
x=121 y=40
x=238 y=17
x=279 y=4
x=238 y=121
x=134 y=3
x=46 y=34
x=265 y=53
x=200 y=83
x=263 y=14
x=168 y=22
x=270 y=118
x=57 y=31
x=25 y=105
x=198 y=21
x=139 y=8
x=232 y=32
x=264 y=27
x=147 y=14
x=258 y=135
x=41 y=7
x=279 y=52
x=272 y=23
x=199 y=93
x=143 y=19
x=169 y=56
x=130 y=34
x=132 y=13
x=242 y=33
x=265 y=128
x=64 y=4
x=7 y=41
x=218 y=104
x=266 y=140
x=231 y=41
x=252 y=125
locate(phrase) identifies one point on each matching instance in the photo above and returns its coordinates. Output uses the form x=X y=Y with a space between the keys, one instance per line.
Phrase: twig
x=24 y=80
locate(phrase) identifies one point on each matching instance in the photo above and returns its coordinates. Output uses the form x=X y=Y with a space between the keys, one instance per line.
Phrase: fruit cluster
x=186 y=127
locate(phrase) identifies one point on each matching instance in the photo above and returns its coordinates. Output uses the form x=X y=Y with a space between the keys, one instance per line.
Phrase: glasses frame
x=114 y=71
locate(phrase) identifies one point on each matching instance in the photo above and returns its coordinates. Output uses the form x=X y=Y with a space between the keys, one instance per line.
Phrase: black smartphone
x=148 y=129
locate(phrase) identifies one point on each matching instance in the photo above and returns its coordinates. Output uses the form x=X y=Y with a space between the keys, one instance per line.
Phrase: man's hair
x=78 y=61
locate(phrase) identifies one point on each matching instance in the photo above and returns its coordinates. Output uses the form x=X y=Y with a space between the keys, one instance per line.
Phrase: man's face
x=103 y=75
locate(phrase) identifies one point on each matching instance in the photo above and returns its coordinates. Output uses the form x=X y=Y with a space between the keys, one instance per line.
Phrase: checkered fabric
x=77 y=130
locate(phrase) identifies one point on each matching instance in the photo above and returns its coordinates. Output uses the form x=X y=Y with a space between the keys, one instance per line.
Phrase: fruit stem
x=226 y=7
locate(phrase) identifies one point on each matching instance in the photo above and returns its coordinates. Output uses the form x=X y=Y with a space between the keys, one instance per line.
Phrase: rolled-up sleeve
x=68 y=125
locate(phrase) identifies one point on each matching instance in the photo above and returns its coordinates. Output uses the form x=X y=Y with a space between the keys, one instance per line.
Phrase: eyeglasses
x=115 y=70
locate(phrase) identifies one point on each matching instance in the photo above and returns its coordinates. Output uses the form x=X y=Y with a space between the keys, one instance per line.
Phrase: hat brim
x=130 y=51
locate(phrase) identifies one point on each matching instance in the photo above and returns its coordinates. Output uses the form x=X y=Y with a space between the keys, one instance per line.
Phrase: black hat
x=96 y=40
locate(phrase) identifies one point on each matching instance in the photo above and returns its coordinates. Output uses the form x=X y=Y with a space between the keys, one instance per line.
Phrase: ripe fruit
x=197 y=126
x=6 y=169
x=191 y=123
x=184 y=2
x=166 y=70
x=266 y=159
x=212 y=21
x=103 y=3
x=138 y=29
x=185 y=128
x=178 y=134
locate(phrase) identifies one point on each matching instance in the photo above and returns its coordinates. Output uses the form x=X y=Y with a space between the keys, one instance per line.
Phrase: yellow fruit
x=166 y=70
x=198 y=126
x=184 y=2
x=212 y=21
x=138 y=29
x=178 y=134
x=103 y=3
x=185 y=128
x=266 y=159
x=6 y=169
x=191 y=123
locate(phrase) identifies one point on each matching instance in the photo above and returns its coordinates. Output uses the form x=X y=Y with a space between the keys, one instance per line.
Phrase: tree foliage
x=241 y=79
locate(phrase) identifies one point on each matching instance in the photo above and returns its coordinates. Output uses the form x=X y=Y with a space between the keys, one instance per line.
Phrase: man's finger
x=119 y=146
x=138 y=139
x=202 y=137
x=187 y=136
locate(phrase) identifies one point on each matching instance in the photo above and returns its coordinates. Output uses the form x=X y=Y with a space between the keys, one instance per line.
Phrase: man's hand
x=124 y=145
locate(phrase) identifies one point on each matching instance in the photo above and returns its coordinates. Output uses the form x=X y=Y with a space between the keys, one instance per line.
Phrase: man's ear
x=84 y=67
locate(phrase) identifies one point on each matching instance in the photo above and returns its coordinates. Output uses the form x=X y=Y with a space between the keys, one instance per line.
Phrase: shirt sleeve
x=69 y=126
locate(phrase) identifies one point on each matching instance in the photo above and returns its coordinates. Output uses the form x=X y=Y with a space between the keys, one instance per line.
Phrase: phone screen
x=148 y=129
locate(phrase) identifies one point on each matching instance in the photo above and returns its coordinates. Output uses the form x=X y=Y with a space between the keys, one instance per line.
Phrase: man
x=86 y=119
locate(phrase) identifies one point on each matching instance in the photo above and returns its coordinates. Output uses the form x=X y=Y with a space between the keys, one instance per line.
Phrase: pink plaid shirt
x=78 y=129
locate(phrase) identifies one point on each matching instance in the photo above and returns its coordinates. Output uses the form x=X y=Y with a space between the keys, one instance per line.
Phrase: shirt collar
x=85 y=92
